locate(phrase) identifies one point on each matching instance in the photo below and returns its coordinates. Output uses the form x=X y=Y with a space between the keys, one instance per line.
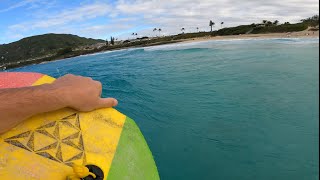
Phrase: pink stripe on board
x=18 y=79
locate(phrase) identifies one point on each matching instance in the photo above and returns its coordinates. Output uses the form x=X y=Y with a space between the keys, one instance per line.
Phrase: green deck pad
x=133 y=159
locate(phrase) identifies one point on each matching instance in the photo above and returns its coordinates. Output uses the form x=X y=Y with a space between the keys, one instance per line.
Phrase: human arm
x=80 y=93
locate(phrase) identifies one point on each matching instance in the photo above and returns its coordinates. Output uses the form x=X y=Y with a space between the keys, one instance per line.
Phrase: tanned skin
x=80 y=93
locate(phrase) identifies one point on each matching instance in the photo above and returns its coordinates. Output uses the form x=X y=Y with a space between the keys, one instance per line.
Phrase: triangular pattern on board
x=59 y=140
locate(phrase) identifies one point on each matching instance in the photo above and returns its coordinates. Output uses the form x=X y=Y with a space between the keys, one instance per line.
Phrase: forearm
x=80 y=93
x=19 y=104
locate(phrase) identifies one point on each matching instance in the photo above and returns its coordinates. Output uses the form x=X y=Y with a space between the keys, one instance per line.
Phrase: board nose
x=18 y=79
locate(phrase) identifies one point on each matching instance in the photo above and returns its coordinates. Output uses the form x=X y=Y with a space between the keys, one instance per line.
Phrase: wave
x=104 y=52
x=298 y=40
x=204 y=44
x=176 y=46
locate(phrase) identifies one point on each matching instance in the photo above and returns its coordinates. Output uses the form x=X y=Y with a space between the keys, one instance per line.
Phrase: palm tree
x=269 y=23
x=183 y=29
x=159 y=31
x=221 y=24
x=134 y=34
x=112 y=40
x=211 y=24
x=197 y=29
x=276 y=22
x=155 y=29
x=264 y=21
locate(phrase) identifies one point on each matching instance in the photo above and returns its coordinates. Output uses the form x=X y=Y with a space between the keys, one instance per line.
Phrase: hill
x=261 y=28
x=42 y=46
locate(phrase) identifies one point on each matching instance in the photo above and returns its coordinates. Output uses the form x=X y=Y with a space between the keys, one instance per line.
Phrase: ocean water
x=236 y=109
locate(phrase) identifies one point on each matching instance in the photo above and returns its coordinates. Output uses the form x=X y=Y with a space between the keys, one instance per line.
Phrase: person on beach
x=77 y=92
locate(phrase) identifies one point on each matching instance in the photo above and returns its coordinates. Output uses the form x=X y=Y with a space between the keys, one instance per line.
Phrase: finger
x=107 y=102
x=99 y=87
x=100 y=93
x=68 y=75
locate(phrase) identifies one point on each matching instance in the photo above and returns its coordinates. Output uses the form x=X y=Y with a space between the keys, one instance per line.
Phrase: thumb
x=107 y=102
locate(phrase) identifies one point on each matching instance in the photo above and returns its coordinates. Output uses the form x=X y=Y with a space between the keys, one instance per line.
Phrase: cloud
x=126 y=16
x=42 y=5
x=64 y=17
x=171 y=15
x=17 y=5
x=191 y=13
x=93 y=31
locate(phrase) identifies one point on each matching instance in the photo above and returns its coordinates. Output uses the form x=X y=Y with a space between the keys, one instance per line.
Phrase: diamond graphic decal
x=60 y=141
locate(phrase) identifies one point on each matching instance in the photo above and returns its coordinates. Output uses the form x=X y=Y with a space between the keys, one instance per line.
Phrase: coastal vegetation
x=41 y=47
x=48 y=47
x=312 y=21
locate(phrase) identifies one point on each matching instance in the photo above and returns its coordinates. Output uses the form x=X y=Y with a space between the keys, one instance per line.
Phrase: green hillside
x=261 y=28
x=40 y=46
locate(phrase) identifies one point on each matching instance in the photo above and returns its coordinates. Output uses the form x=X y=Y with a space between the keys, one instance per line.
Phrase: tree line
x=312 y=21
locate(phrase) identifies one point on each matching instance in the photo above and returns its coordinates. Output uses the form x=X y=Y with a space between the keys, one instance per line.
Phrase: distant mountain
x=42 y=46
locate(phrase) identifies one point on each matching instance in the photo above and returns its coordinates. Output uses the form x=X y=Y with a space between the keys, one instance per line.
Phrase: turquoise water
x=243 y=109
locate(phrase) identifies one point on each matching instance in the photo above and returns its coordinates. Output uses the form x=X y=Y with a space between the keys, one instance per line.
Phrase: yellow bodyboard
x=46 y=145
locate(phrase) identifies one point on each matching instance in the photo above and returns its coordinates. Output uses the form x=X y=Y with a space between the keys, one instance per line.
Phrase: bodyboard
x=46 y=145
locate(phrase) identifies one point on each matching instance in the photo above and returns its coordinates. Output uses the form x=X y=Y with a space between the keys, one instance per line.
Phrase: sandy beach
x=301 y=34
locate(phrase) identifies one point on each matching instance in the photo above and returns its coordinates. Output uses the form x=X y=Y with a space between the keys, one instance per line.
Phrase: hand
x=81 y=93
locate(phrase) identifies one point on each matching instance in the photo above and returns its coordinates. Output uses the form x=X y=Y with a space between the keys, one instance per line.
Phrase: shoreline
x=301 y=34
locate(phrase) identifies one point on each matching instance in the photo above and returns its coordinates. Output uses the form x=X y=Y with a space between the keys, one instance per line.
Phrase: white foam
x=103 y=52
x=175 y=46
x=201 y=44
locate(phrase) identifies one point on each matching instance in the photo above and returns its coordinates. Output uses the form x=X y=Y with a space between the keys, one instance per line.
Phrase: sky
x=120 y=18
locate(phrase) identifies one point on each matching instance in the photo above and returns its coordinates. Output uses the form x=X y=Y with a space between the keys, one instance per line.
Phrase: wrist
x=57 y=95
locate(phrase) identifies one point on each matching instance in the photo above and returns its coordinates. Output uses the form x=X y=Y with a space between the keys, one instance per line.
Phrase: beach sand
x=301 y=34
